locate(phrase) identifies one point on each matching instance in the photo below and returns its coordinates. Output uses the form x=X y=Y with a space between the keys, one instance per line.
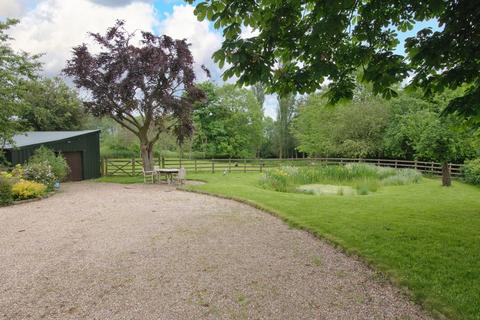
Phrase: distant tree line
x=406 y=127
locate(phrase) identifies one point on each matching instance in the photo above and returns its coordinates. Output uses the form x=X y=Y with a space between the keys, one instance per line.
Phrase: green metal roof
x=39 y=137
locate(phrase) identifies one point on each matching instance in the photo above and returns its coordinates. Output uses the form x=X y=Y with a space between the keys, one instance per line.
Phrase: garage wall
x=88 y=144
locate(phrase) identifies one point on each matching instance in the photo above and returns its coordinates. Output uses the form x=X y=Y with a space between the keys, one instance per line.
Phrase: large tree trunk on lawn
x=148 y=160
x=446 y=179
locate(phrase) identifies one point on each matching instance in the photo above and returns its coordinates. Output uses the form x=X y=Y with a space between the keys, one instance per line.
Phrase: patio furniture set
x=172 y=175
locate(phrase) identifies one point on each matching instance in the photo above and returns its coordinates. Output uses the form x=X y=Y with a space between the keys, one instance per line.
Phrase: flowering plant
x=25 y=189
x=40 y=172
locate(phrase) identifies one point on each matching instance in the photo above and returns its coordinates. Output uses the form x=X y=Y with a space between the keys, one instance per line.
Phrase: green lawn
x=424 y=236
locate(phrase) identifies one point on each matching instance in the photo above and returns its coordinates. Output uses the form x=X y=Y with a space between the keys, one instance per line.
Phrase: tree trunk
x=446 y=179
x=148 y=161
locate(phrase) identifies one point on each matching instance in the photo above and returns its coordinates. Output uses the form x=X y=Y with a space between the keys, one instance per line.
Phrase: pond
x=326 y=189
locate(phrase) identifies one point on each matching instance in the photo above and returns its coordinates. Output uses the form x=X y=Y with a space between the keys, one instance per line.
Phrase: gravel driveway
x=108 y=251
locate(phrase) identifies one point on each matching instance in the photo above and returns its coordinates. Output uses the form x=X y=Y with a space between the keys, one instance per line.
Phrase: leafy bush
x=25 y=189
x=6 y=196
x=58 y=164
x=17 y=171
x=471 y=171
x=40 y=172
x=276 y=179
x=6 y=175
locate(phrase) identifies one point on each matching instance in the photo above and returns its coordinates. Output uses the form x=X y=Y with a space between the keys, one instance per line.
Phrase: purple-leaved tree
x=147 y=88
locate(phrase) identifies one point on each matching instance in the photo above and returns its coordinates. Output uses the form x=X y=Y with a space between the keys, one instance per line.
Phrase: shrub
x=276 y=179
x=17 y=171
x=58 y=164
x=25 y=189
x=471 y=171
x=40 y=172
x=6 y=196
x=6 y=175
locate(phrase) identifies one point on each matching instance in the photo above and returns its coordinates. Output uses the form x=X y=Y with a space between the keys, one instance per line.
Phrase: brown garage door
x=74 y=160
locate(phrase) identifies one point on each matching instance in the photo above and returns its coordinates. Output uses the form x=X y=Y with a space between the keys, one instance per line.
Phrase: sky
x=53 y=27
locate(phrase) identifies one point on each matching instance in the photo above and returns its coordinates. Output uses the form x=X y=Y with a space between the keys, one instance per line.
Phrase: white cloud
x=53 y=27
x=11 y=8
x=116 y=3
x=248 y=32
x=182 y=24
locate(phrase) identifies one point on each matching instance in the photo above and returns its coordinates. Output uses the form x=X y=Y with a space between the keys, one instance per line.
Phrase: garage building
x=81 y=149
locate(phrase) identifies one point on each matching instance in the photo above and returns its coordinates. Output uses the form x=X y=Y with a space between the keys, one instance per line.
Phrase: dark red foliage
x=148 y=87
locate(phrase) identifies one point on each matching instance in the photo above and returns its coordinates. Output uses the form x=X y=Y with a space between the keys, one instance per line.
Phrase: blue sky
x=418 y=26
x=166 y=6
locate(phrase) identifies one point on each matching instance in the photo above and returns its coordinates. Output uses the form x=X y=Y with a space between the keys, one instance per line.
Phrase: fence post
x=163 y=162
x=195 y=165
x=102 y=167
x=213 y=166
x=229 y=164
x=106 y=165
x=244 y=165
x=260 y=165
x=431 y=168
x=416 y=164
x=396 y=164
x=180 y=161
x=133 y=166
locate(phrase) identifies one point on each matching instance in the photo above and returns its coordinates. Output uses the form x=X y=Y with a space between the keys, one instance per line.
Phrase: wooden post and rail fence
x=133 y=167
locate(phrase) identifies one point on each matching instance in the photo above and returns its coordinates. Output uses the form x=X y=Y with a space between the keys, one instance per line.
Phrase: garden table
x=168 y=173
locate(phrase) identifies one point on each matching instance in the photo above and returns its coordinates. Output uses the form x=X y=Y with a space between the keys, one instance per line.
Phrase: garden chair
x=158 y=174
x=148 y=175
x=182 y=175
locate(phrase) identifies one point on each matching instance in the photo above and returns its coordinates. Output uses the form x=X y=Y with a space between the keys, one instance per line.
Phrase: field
x=423 y=236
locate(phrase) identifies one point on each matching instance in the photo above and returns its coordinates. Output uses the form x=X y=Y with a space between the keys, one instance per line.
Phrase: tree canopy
x=52 y=105
x=16 y=69
x=147 y=88
x=299 y=44
x=229 y=122
x=353 y=130
x=285 y=114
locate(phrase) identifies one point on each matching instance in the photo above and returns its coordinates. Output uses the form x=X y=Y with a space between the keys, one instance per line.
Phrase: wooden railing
x=133 y=167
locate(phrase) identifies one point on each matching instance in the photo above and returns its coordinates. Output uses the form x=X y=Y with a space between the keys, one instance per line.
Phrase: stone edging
x=14 y=203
